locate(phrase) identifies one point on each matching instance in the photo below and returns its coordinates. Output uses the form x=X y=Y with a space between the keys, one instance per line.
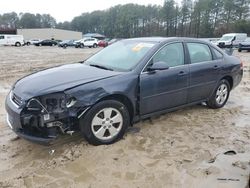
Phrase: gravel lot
x=180 y=149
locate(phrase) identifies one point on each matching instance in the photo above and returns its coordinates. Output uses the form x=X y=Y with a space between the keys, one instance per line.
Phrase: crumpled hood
x=59 y=79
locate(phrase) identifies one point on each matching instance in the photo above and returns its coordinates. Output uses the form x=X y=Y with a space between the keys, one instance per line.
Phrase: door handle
x=182 y=73
x=215 y=67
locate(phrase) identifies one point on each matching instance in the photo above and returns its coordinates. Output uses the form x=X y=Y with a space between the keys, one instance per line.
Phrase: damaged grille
x=16 y=99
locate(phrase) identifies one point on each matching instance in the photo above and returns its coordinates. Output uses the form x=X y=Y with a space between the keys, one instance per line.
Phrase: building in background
x=49 y=33
x=8 y=31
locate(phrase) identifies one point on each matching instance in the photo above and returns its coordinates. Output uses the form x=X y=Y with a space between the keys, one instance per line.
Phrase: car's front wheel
x=105 y=123
x=220 y=95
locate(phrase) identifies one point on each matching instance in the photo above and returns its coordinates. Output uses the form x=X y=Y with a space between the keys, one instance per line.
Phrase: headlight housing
x=70 y=102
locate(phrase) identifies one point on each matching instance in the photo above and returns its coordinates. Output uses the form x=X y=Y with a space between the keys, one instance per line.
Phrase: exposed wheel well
x=124 y=100
x=230 y=80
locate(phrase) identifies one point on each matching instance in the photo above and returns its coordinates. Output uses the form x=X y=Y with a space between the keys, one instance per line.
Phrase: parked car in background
x=87 y=42
x=128 y=81
x=244 y=45
x=11 y=40
x=113 y=41
x=46 y=43
x=103 y=43
x=32 y=41
x=231 y=39
x=66 y=43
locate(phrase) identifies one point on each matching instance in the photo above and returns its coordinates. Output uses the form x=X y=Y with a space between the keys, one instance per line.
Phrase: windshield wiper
x=100 y=66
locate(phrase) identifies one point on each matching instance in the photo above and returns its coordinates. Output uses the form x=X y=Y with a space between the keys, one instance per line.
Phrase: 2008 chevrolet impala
x=123 y=83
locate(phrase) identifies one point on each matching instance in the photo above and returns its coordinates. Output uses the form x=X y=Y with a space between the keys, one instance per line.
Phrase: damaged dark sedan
x=128 y=81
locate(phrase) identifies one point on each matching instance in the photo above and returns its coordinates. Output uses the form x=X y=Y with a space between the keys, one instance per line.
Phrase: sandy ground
x=180 y=149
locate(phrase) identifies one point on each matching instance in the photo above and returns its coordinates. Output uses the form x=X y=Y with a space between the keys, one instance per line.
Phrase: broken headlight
x=70 y=102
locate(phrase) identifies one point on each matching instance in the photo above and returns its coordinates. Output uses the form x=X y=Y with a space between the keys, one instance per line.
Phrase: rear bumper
x=238 y=78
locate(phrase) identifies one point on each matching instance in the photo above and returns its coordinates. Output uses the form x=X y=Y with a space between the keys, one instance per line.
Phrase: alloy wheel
x=107 y=123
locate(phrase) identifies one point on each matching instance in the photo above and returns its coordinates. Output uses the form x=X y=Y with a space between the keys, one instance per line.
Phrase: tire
x=220 y=95
x=40 y=44
x=28 y=43
x=18 y=44
x=65 y=46
x=98 y=134
x=95 y=45
x=239 y=50
x=81 y=45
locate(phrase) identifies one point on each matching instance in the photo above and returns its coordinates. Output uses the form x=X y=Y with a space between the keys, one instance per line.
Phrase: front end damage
x=41 y=119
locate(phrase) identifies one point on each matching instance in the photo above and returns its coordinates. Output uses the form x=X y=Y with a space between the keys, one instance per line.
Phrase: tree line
x=192 y=18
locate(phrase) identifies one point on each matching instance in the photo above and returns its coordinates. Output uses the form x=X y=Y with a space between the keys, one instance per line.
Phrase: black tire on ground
x=18 y=44
x=40 y=44
x=65 y=46
x=212 y=102
x=81 y=45
x=248 y=50
x=85 y=122
x=28 y=43
x=239 y=50
x=95 y=45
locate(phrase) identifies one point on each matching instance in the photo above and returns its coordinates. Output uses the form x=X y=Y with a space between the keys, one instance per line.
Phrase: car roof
x=166 y=39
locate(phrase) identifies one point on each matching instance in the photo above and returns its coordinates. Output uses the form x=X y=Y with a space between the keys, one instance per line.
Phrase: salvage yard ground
x=193 y=147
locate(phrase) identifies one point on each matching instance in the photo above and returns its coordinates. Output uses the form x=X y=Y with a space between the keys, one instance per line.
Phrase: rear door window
x=1 y=37
x=199 y=52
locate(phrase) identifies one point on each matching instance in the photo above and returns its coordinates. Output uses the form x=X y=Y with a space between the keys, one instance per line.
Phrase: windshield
x=120 y=56
x=226 y=38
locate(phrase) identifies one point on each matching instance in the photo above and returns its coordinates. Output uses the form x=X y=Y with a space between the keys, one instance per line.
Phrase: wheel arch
x=124 y=100
x=229 y=79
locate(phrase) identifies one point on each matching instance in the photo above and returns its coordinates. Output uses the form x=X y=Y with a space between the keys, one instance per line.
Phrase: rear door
x=204 y=71
x=165 y=89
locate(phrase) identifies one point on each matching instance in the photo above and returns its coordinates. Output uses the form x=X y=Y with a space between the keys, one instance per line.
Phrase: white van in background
x=11 y=40
x=231 y=39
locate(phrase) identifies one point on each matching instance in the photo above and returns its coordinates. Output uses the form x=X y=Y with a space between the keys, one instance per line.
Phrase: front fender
x=89 y=94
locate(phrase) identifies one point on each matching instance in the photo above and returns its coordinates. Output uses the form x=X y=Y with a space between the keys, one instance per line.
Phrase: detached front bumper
x=15 y=123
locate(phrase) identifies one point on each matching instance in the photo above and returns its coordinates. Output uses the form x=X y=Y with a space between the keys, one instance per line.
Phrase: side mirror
x=160 y=65
x=234 y=38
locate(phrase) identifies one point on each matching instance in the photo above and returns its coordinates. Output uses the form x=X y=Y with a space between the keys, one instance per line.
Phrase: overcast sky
x=65 y=10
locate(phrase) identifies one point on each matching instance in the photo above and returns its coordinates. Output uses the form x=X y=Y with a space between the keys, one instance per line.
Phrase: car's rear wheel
x=239 y=50
x=95 y=45
x=220 y=95
x=105 y=123
x=81 y=45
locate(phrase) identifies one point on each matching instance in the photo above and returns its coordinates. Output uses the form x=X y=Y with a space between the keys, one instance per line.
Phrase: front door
x=165 y=89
